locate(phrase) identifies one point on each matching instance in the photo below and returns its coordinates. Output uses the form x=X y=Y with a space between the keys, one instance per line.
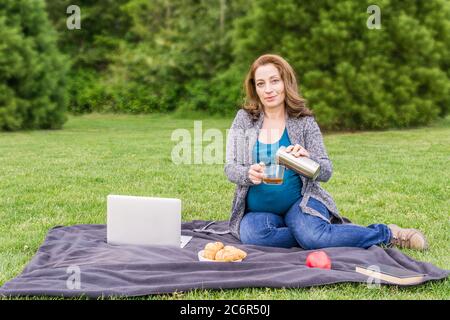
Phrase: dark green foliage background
x=32 y=70
x=141 y=56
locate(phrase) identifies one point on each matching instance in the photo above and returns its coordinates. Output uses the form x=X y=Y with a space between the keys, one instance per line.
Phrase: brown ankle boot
x=408 y=238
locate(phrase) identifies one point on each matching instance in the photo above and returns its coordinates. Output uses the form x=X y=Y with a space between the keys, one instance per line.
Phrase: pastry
x=218 y=252
x=230 y=253
x=211 y=249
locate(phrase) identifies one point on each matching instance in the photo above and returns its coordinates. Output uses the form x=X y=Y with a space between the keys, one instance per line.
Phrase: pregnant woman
x=299 y=212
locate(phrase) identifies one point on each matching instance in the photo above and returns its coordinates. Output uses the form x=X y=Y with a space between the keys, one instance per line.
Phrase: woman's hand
x=256 y=172
x=297 y=151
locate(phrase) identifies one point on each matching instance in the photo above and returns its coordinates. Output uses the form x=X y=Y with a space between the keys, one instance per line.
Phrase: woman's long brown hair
x=295 y=104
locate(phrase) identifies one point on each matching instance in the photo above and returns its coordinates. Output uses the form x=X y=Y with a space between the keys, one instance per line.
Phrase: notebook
x=390 y=274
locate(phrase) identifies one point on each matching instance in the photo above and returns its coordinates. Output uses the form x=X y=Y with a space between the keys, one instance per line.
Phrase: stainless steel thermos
x=302 y=165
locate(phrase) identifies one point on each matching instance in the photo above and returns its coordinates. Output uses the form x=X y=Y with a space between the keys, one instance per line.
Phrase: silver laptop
x=143 y=220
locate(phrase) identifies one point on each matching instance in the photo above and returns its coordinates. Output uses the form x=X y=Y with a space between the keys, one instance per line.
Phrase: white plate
x=202 y=258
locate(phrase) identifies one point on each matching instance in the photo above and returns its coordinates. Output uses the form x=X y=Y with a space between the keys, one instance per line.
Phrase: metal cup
x=302 y=165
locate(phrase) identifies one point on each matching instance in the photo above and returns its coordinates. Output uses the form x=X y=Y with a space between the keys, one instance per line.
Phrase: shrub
x=355 y=77
x=32 y=71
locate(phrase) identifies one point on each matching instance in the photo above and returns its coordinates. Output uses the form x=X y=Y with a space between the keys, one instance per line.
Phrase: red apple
x=318 y=259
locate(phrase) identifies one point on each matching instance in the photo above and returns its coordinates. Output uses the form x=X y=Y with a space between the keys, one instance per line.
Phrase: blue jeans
x=296 y=228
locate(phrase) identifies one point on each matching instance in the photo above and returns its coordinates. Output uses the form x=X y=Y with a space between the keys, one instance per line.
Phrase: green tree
x=352 y=76
x=32 y=70
x=104 y=28
x=180 y=47
x=192 y=55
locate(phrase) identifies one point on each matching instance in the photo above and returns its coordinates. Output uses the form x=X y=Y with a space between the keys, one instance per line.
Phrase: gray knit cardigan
x=241 y=139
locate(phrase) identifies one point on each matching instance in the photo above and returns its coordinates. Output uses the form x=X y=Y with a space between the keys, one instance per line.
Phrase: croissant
x=211 y=250
x=230 y=253
x=241 y=253
x=218 y=252
x=214 y=246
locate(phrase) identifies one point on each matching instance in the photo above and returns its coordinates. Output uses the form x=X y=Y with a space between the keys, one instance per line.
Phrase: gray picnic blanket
x=77 y=261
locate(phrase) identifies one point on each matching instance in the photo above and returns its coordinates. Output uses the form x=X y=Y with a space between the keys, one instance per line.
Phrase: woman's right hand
x=256 y=172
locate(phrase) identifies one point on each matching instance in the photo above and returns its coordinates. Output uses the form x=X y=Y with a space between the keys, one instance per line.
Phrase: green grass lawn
x=62 y=177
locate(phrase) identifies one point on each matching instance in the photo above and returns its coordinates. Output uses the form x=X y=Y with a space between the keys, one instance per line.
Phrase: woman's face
x=269 y=86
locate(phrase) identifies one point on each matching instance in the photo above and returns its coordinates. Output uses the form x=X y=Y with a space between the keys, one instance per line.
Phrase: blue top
x=273 y=198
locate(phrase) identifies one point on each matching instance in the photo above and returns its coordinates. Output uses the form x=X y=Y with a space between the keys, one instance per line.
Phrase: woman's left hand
x=297 y=151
